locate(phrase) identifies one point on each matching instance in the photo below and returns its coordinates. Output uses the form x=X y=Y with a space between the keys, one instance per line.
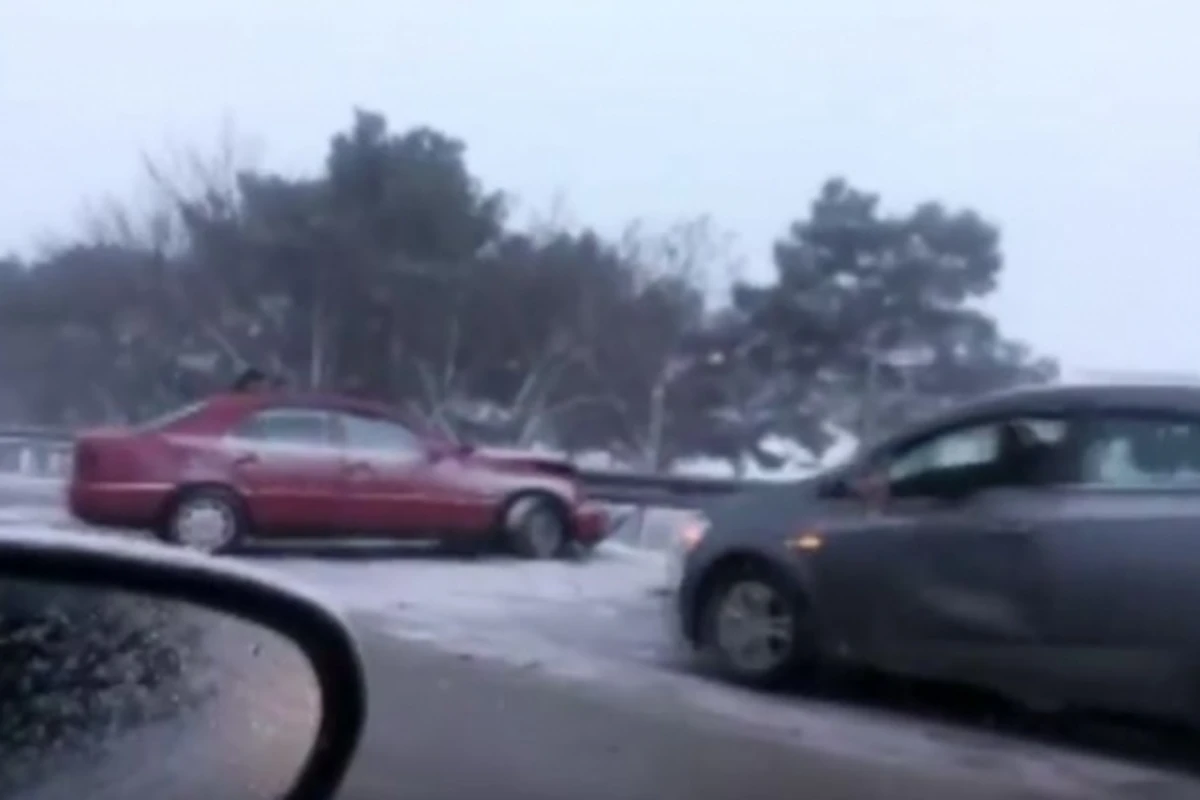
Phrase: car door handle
x=244 y=459
x=358 y=468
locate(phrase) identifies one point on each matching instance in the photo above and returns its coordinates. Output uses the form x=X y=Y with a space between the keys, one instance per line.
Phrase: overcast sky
x=1074 y=124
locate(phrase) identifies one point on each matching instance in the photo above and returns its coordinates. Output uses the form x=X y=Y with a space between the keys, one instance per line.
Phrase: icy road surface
x=598 y=624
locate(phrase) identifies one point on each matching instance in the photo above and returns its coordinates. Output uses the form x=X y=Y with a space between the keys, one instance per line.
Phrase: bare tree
x=682 y=264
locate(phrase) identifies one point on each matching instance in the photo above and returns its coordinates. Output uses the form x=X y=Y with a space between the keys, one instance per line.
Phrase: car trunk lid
x=106 y=454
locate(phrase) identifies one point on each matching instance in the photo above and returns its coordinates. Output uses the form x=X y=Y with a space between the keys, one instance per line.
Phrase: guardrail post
x=35 y=453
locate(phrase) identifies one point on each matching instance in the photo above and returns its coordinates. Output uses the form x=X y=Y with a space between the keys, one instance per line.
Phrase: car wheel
x=756 y=628
x=208 y=520
x=535 y=527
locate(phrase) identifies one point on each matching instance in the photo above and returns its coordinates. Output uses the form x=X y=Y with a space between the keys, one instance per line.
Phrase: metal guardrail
x=35 y=433
x=33 y=452
x=666 y=491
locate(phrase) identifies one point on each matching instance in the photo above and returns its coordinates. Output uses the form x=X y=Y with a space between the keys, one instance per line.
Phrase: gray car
x=1043 y=543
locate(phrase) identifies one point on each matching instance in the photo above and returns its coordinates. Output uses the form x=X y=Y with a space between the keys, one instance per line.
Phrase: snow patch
x=517 y=612
x=797 y=460
x=488 y=588
x=35 y=515
x=39 y=484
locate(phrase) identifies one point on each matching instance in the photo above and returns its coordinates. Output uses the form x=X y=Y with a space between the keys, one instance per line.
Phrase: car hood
x=522 y=459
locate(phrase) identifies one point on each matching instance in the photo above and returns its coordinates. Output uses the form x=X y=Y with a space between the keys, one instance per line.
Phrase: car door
x=285 y=462
x=387 y=488
x=1125 y=556
x=966 y=591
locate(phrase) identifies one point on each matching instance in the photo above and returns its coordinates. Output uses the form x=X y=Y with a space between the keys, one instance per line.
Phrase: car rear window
x=170 y=418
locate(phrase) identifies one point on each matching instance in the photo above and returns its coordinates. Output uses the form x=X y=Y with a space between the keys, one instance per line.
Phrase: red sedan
x=262 y=465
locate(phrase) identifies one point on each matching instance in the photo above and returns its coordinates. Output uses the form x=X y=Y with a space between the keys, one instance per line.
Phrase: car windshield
x=471 y=316
x=170 y=417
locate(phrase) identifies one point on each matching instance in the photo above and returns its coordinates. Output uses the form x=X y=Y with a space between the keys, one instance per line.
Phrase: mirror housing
x=835 y=487
x=110 y=564
x=858 y=480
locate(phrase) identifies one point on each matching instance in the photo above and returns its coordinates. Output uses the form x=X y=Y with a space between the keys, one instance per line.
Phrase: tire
x=205 y=519
x=756 y=628
x=535 y=527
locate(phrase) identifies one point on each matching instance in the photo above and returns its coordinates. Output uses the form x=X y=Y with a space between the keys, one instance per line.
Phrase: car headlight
x=687 y=537
x=691 y=533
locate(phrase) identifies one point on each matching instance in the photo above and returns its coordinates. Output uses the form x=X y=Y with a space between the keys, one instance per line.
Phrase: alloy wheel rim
x=755 y=626
x=204 y=525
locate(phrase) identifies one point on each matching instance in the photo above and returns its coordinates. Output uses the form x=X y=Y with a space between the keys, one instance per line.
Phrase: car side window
x=1131 y=451
x=958 y=448
x=378 y=436
x=1012 y=451
x=287 y=427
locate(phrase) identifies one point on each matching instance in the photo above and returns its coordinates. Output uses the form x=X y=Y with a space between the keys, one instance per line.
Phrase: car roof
x=1058 y=397
x=259 y=399
x=1051 y=399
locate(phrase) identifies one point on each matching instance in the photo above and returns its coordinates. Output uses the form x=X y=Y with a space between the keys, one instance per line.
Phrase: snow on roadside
x=16 y=480
x=27 y=490
x=482 y=587
x=517 y=611
x=557 y=615
x=39 y=514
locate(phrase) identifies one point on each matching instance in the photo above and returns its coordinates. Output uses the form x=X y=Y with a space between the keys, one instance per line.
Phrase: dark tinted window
x=963 y=447
x=1139 y=451
x=1011 y=452
x=376 y=435
x=288 y=427
x=975 y=446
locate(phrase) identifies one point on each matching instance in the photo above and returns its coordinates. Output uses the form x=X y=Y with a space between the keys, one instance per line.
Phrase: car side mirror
x=836 y=488
x=115 y=655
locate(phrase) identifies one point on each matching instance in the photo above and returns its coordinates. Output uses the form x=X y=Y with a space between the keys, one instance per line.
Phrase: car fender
x=706 y=564
x=500 y=487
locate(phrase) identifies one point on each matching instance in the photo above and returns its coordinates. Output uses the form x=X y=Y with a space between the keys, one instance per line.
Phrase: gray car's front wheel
x=756 y=628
